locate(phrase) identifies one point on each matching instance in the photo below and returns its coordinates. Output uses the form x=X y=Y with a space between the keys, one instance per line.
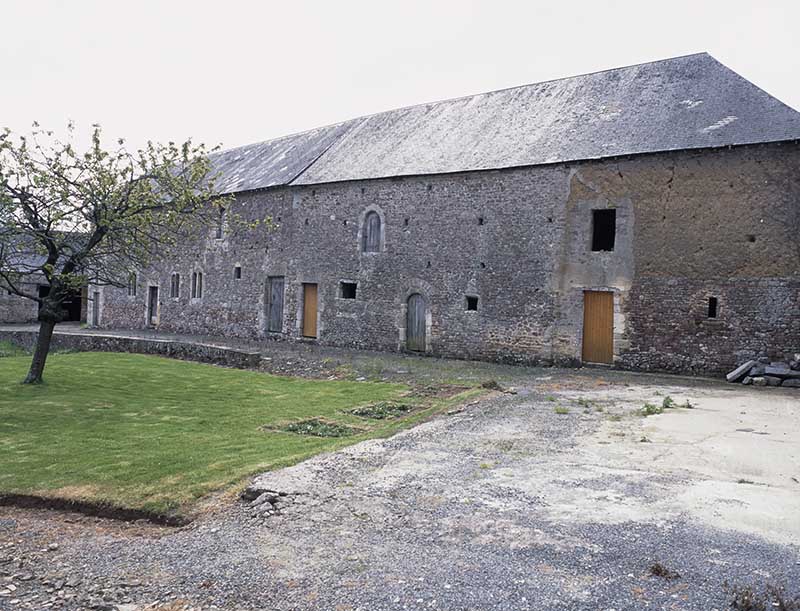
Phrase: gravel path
x=500 y=506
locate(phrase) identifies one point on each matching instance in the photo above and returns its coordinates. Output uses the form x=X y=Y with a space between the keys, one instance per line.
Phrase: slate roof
x=680 y=103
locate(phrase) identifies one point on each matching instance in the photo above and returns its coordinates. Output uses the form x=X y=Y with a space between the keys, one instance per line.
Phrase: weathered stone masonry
x=690 y=225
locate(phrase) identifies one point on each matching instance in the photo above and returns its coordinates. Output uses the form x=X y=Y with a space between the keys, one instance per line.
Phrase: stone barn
x=646 y=217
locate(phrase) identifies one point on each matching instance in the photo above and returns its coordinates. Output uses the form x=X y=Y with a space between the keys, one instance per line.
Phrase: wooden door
x=275 y=304
x=152 y=306
x=309 y=310
x=598 y=327
x=415 y=323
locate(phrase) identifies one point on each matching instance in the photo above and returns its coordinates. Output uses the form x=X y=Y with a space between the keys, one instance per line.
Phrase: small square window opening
x=472 y=303
x=347 y=290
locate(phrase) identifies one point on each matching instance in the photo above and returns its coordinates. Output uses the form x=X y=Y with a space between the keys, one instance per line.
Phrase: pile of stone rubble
x=765 y=372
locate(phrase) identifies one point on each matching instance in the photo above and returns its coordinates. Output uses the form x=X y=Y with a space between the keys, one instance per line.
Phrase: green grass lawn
x=156 y=434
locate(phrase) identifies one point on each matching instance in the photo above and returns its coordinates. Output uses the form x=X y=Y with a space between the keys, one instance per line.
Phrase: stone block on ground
x=781 y=372
x=740 y=372
x=791 y=383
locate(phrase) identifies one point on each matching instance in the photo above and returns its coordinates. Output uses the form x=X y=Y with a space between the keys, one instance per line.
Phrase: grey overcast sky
x=235 y=72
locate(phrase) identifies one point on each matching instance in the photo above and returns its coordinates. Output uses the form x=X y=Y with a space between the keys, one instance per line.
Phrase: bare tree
x=69 y=218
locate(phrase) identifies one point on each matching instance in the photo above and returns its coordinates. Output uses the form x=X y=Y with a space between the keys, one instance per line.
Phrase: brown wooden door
x=309 y=310
x=415 y=323
x=598 y=327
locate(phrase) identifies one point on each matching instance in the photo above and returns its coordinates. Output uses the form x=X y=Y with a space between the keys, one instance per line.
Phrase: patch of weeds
x=9 y=349
x=550 y=398
x=345 y=372
x=598 y=408
x=748 y=598
x=659 y=570
x=687 y=405
x=560 y=409
x=382 y=410
x=319 y=428
x=650 y=409
x=504 y=445
x=485 y=465
x=658 y=393
x=491 y=385
x=744 y=481
x=668 y=403
x=615 y=417
x=585 y=403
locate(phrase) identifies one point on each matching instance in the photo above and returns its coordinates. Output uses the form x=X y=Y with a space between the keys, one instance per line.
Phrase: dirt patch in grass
x=317 y=427
x=383 y=410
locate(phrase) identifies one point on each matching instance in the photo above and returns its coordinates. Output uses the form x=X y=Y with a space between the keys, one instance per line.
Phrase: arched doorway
x=416 y=315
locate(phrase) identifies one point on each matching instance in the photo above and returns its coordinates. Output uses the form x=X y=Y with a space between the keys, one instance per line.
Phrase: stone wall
x=16 y=309
x=689 y=224
x=188 y=351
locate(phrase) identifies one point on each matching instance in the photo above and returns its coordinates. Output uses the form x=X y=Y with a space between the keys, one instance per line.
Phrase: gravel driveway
x=509 y=504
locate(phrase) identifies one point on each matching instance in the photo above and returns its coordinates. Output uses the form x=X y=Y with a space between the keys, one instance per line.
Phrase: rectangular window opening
x=712 y=307
x=237 y=272
x=472 y=303
x=347 y=290
x=604 y=229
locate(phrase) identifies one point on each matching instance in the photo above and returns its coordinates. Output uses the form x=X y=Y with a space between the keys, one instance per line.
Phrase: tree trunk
x=40 y=354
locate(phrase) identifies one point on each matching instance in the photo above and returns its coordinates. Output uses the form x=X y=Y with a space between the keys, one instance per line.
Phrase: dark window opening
x=712 y=307
x=604 y=229
x=347 y=290
x=472 y=303
x=480 y=220
x=237 y=272
x=405 y=222
x=751 y=238
x=175 y=285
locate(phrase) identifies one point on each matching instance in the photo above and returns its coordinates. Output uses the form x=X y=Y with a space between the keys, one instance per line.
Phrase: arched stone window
x=371 y=238
x=132 y=282
x=197 y=285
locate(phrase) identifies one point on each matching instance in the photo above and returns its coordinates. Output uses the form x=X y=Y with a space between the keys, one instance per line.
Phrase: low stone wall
x=204 y=353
